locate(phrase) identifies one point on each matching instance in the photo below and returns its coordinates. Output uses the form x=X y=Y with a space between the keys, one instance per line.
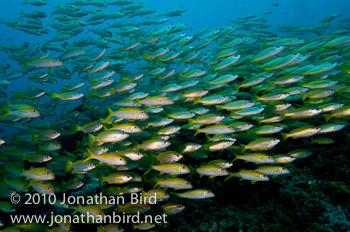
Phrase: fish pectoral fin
x=253 y=181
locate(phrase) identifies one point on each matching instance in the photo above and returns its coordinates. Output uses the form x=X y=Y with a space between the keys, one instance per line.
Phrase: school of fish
x=143 y=106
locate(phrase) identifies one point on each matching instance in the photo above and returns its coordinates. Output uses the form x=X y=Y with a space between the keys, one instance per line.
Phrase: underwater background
x=233 y=114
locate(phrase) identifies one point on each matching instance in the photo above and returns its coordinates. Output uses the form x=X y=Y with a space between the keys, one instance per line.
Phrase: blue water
x=198 y=14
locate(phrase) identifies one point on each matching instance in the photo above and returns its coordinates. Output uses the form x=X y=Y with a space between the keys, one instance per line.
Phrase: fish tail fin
x=284 y=136
x=156 y=184
x=303 y=96
x=230 y=175
x=102 y=179
x=191 y=122
x=26 y=187
x=196 y=101
x=218 y=107
x=68 y=166
x=110 y=111
x=193 y=170
x=283 y=115
x=19 y=95
x=103 y=121
x=236 y=158
x=77 y=209
x=91 y=139
x=53 y=95
x=148 y=170
x=101 y=229
x=35 y=138
x=25 y=63
x=197 y=131
x=91 y=94
x=7 y=112
x=327 y=117
x=258 y=121
x=243 y=147
x=110 y=114
x=265 y=43
x=206 y=147
x=7 y=103
x=137 y=146
x=76 y=128
x=90 y=155
x=149 y=181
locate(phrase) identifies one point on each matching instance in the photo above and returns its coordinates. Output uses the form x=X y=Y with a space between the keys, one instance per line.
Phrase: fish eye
x=222 y=169
x=57 y=60
x=123 y=133
x=90 y=164
x=269 y=157
x=34 y=111
x=128 y=176
x=229 y=127
x=164 y=142
x=48 y=173
x=121 y=159
x=183 y=167
x=142 y=112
